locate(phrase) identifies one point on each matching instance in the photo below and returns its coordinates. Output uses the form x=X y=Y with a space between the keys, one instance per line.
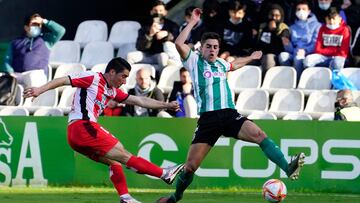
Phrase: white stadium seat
x=66 y=99
x=246 y=77
x=67 y=69
x=19 y=98
x=297 y=116
x=91 y=31
x=96 y=53
x=190 y=107
x=279 y=77
x=14 y=111
x=320 y=102
x=261 y=115
x=123 y=36
x=65 y=51
x=287 y=100
x=252 y=99
x=99 y=68
x=168 y=76
x=315 y=78
x=48 y=98
x=48 y=112
x=327 y=117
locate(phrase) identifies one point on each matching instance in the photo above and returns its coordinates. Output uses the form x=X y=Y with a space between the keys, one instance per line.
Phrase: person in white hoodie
x=303 y=35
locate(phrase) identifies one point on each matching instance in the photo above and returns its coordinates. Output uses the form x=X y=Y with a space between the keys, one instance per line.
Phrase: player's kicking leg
x=252 y=133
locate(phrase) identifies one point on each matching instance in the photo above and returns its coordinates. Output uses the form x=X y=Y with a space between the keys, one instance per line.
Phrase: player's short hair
x=210 y=35
x=28 y=18
x=332 y=12
x=236 y=5
x=118 y=64
x=182 y=69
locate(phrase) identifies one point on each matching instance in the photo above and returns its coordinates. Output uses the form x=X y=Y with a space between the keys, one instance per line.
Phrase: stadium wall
x=34 y=152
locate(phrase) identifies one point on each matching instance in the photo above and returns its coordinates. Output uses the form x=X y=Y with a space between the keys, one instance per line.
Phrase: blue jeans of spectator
x=287 y=59
x=333 y=62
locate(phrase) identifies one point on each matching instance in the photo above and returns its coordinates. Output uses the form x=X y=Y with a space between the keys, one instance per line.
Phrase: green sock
x=182 y=182
x=274 y=153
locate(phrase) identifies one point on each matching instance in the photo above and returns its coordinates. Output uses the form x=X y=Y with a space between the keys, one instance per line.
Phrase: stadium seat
x=353 y=74
x=246 y=77
x=91 y=31
x=65 y=51
x=279 y=77
x=34 y=78
x=327 y=117
x=48 y=112
x=124 y=41
x=250 y=100
x=96 y=53
x=190 y=107
x=356 y=97
x=19 y=98
x=297 y=116
x=320 y=102
x=99 y=68
x=66 y=99
x=287 y=100
x=14 y=111
x=131 y=80
x=315 y=78
x=67 y=69
x=48 y=98
x=261 y=115
x=168 y=75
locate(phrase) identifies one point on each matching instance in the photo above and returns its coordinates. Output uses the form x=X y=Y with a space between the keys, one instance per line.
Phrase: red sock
x=117 y=177
x=143 y=166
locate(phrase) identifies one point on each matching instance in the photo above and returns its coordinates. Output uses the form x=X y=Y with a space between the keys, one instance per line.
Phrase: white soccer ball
x=274 y=190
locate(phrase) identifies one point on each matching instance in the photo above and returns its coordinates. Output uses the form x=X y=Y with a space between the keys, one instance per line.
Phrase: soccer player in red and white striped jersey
x=87 y=137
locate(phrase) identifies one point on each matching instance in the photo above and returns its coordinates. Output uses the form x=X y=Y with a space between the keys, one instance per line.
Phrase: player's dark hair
x=158 y=3
x=236 y=5
x=189 y=10
x=183 y=69
x=28 y=18
x=332 y=12
x=279 y=8
x=118 y=64
x=210 y=35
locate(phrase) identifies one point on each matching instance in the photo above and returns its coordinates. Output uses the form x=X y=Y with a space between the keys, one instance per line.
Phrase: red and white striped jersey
x=92 y=95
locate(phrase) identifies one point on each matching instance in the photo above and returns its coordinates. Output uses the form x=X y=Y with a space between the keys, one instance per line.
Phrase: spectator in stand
x=355 y=49
x=211 y=16
x=345 y=108
x=322 y=7
x=152 y=38
x=145 y=87
x=195 y=35
x=30 y=52
x=303 y=37
x=271 y=37
x=353 y=15
x=181 y=89
x=333 y=43
x=237 y=35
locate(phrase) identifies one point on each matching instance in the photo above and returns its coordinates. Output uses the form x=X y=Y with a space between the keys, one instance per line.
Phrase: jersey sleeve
x=120 y=96
x=190 y=62
x=228 y=66
x=82 y=80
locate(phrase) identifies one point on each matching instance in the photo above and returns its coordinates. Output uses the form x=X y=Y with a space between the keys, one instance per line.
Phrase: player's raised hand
x=173 y=106
x=196 y=14
x=256 y=55
x=32 y=92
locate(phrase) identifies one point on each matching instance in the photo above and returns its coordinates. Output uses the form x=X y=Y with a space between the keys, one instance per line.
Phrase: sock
x=274 y=153
x=118 y=179
x=182 y=182
x=142 y=166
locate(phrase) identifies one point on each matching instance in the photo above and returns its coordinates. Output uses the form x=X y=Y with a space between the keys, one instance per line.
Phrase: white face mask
x=332 y=27
x=324 y=6
x=34 y=31
x=301 y=14
x=235 y=22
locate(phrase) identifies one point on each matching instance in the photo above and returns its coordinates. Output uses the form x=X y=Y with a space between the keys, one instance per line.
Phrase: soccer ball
x=274 y=190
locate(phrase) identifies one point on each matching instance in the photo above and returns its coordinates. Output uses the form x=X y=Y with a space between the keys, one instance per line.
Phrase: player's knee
x=258 y=136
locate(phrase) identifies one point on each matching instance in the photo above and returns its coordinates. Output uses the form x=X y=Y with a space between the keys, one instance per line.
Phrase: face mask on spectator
x=235 y=22
x=34 y=31
x=332 y=27
x=158 y=15
x=324 y=6
x=302 y=15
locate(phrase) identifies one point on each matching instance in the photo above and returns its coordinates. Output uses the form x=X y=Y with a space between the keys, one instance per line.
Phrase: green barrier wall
x=39 y=154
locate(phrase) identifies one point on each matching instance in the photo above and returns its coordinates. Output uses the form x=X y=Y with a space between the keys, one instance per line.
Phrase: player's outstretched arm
x=36 y=91
x=151 y=103
x=242 y=61
x=181 y=47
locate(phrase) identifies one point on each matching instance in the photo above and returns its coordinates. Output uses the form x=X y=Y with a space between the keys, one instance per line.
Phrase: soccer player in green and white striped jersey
x=218 y=115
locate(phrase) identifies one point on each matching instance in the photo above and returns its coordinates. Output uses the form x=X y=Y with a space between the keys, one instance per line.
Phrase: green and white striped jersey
x=211 y=88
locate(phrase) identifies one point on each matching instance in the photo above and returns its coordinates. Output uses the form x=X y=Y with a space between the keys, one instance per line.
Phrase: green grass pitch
x=102 y=195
